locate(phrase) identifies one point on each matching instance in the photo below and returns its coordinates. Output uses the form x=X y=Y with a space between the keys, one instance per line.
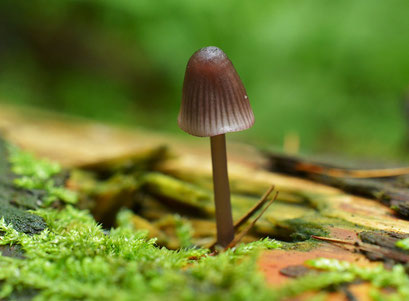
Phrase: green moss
x=22 y=221
x=24 y=163
x=306 y=226
x=14 y=200
x=184 y=193
x=378 y=276
x=331 y=273
x=75 y=259
x=38 y=174
x=184 y=231
x=403 y=244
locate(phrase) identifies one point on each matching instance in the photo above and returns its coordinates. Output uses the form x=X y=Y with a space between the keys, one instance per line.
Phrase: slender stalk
x=224 y=219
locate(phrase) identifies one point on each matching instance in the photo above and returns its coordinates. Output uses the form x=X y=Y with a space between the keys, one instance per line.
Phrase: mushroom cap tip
x=210 y=54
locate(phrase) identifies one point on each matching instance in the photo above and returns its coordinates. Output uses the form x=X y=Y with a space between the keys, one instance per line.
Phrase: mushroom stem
x=224 y=219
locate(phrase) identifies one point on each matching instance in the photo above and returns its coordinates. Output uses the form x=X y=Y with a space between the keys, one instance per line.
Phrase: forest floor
x=329 y=234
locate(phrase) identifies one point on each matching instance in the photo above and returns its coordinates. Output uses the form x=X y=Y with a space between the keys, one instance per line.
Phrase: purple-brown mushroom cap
x=214 y=100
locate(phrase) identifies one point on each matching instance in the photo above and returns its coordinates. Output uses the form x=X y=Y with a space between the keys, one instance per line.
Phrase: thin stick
x=243 y=233
x=224 y=219
x=385 y=252
x=242 y=220
x=256 y=207
x=335 y=240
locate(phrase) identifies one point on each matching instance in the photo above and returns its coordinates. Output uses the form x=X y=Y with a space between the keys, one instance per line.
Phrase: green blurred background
x=335 y=73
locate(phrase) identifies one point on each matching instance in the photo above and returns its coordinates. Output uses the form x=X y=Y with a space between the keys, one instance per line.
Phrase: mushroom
x=215 y=102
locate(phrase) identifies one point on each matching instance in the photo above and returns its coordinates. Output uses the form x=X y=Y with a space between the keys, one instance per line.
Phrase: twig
x=242 y=220
x=256 y=207
x=384 y=252
x=243 y=233
x=335 y=240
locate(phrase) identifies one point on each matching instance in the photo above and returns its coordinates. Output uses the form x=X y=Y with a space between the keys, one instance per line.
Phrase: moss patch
x=14 y=200
x=36 y=174
x=75 y=259
x=403 y=244
x=380 y=277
